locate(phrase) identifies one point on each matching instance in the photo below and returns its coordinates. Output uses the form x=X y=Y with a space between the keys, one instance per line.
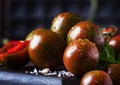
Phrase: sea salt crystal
x=69 y=74
x=48 y=72
x=35 y=70
x=31 y=72
x=64 y=73
x=59 y=75
x=44 y=71
x=26 y=72
x=51 y=73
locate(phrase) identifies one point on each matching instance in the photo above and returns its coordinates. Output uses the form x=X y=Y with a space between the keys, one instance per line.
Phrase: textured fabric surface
x=20 y=77
x=12 y=78
x=24 y=15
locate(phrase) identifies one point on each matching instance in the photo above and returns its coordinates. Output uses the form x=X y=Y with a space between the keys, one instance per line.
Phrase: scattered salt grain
x=69 y=74
x=59 y=75
x=52 y=74
x=44 y=71
x=48 y=72
x=26 y=72
x=35 y=70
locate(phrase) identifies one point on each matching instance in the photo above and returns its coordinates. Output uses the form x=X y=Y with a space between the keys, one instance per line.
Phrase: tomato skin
x=115 y=43
x=114 y=72
x=96 y=77
x=35 y=31
x=80 y=56
x=46 y=49
x=109 y=32
x=62 y=23
x=86 y=30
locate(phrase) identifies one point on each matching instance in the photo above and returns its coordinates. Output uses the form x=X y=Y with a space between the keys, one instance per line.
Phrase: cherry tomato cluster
x=82 y=47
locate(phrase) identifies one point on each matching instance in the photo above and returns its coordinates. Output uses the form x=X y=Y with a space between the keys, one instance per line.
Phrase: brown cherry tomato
x=96 y=77
x=86 y=30
x=115 y=43
x=114 y=72
x=35 y=31
x=62 y=23
x=46 y=49
x=109 y=32
x=80 y=56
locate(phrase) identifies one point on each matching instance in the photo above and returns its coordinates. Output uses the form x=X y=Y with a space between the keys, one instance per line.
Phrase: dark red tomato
x=96 y=77
x=62 y=23
x=80 y=56
x=14 y=54
x=115 y=43
x=46 y=49
x=35 y=31
x=86 y=30
x=109 y=32
x=114 y=72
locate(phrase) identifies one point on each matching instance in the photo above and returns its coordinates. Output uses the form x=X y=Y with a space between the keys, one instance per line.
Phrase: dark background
x=19 y=17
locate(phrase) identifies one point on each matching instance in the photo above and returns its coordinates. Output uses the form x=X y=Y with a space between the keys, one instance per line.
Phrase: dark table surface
x=20 y=77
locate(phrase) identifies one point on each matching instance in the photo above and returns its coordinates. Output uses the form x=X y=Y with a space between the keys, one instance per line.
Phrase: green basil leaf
x=107 y=55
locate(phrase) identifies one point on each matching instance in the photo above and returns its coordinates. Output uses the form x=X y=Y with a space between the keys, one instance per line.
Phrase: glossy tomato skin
x=80 y=56
x=62 y=23
x=35 y=31
x=14 y=54
x=115 y=43
x=86 y=30
x=114 y=72
x=46 y=49
x=96 y=77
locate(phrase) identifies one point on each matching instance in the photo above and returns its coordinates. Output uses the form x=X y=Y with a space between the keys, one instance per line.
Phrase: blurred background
x=19 y=17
